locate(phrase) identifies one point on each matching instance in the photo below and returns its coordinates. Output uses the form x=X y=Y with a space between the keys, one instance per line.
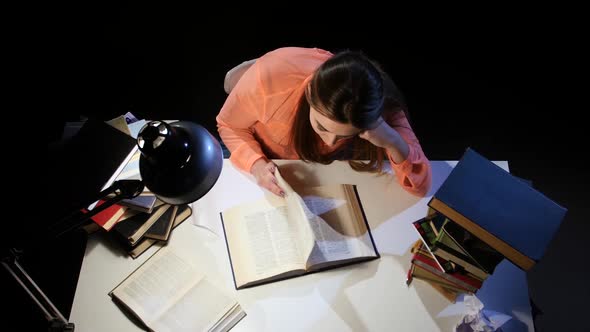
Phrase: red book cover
x=428 y=274
x=456 y=277
x=109 y=216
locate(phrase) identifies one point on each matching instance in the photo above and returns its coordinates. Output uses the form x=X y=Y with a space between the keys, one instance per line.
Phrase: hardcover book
x=168 y=292
x=160 y=230
x=184 y=211
x=129 y=231
x=503 y=211
x=108 y=217
x=427 y=228
x=308 y=231
x=448 y=292
x=457 y=278
x=456 y=244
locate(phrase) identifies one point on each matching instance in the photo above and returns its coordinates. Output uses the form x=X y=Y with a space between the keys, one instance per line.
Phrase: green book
x=481 y=252
x=428 y=229
x=461 y=247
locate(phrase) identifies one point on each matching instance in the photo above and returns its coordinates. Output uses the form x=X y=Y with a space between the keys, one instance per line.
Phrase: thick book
x=184 y=211
x=503 y=211
x=307 y=231
x=456 y=244
x=160 y=230
x=459 y=261
x=108 y=217
x=168 y=292
x=428 y=228
x=144 y=202
x=130 y=230
x=458 y=278
x=420 y=272
x=447 y=292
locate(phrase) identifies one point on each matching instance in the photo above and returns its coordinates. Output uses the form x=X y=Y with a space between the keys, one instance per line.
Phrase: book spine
x=437 y=261
x=423 y=274
x=448 y=253
x=456 y=277
x=421 y=231
x=445 y=276
x=138 y=234
x=465 y=265
x=427 y=231
x=502 y=247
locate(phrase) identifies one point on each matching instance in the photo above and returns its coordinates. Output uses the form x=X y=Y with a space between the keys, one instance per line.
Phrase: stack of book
x=142 y=221
x=450 y=257
x=480 y=215
x=136 y=231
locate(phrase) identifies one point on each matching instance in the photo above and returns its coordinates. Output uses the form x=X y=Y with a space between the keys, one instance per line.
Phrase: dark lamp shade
x=180 y=162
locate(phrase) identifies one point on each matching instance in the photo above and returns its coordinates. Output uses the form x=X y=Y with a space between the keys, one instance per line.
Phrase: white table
x=370 y=296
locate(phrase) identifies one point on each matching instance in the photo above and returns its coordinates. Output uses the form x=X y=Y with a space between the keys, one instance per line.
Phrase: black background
x=508 y=84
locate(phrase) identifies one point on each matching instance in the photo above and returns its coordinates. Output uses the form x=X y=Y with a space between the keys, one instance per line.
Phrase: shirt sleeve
x=241 y=110
x=414 y=174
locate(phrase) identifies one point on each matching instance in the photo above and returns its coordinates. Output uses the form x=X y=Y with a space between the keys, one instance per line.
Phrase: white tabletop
x=370 y=296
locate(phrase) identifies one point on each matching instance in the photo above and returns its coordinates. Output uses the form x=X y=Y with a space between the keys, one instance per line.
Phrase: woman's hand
x=384 y=136
x=263 y=171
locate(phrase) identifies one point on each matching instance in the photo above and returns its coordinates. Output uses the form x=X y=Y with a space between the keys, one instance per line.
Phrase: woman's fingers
x=273 y=186
x=265 y=177
x=275 y=189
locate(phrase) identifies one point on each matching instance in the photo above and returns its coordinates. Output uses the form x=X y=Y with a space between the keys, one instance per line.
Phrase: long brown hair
x=352 y=89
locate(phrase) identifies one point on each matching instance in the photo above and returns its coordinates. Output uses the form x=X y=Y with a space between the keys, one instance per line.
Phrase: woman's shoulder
x=286 y=66
x=293 y=52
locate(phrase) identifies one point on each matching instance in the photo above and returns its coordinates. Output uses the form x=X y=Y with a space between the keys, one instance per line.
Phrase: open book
x=167 y=293
x=308 y=230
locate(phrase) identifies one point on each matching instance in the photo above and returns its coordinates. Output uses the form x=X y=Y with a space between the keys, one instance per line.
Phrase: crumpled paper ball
x=477 y=319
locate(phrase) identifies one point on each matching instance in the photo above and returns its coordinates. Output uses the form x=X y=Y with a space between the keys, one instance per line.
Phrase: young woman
x=310 y=104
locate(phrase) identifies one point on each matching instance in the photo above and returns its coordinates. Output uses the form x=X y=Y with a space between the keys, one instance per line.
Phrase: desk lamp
x=180 y=162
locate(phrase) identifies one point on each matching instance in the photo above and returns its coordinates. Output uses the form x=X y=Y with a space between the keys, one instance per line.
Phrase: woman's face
x=329 y=130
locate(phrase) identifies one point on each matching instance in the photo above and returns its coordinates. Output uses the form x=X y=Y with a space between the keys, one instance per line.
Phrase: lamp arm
x=122 y=189
x=57 y=322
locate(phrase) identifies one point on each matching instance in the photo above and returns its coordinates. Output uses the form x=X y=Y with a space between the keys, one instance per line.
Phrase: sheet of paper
x=394 y=237
x=232 y=188
x=135 y=127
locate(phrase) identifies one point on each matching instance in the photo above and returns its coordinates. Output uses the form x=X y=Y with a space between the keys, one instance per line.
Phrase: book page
x=267 y=237
x=299 y=214
x=338 y=224
x=168 y=294
x=200 y=309
x=156 y=285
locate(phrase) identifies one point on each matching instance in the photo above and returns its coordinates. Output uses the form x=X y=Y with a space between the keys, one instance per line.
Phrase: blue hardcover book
x=508 y=214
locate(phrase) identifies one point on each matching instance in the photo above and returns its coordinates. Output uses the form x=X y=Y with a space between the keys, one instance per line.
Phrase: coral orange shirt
x=255 y=121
